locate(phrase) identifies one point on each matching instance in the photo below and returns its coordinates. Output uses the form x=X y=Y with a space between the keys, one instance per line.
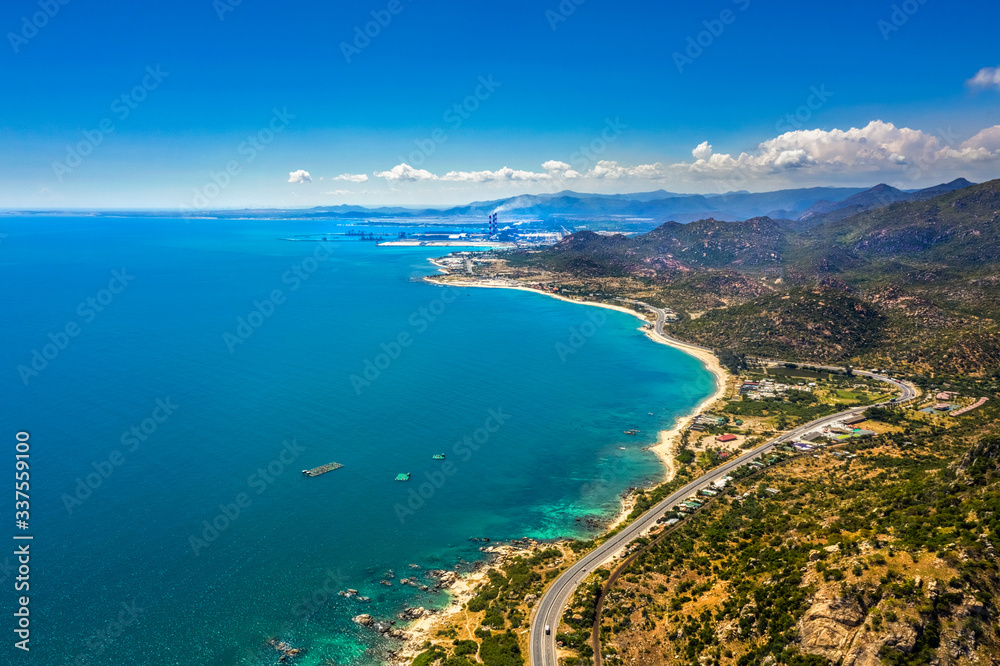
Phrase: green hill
x=912 y=284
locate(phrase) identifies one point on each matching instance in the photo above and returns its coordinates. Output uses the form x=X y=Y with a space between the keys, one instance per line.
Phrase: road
x=548 y=612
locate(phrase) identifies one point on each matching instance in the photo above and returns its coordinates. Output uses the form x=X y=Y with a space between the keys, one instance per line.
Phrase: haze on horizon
x=230 y=104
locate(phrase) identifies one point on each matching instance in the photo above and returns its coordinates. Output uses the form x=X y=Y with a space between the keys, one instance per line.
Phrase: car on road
x=548 y=630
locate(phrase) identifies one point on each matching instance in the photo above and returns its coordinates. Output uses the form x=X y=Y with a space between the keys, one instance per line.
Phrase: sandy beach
x=665 y=449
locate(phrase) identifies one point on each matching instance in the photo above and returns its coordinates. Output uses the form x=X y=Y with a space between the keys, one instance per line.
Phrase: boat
x=438 y=456
x=632 y=431
x=403 y=477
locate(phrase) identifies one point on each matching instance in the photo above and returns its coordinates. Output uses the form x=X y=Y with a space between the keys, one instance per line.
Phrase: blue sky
x=775 y=95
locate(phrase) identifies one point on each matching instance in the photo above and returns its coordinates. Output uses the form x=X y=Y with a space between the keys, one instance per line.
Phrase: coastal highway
x=548 y=612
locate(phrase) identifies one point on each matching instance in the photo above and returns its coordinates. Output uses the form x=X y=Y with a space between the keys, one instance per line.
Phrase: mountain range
x=633 y=212
x=913 y=283
x=809 y=205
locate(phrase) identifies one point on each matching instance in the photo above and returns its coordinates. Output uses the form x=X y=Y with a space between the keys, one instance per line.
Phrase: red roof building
x=726 y=438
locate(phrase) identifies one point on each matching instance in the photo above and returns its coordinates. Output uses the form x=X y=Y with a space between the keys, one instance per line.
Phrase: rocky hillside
x=914 y=284
x=960 y=229
x=883 y=554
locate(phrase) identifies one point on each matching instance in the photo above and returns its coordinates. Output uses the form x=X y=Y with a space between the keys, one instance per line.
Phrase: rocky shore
x=423 y=623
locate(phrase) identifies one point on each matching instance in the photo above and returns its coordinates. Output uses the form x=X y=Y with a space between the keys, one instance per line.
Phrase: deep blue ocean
x=169 y=425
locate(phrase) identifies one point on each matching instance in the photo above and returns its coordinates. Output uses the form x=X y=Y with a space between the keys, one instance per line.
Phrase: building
x=726 y=438
x=721 y=483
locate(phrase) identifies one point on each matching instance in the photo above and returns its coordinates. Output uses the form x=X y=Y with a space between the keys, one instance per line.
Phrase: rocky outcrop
x=445 y=578
x=865 y=648
x=413 y=613
x=832 y=628
x=365 y=620
x=828 y=627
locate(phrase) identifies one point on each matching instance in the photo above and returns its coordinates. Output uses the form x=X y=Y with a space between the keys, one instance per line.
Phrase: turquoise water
x=125 y=569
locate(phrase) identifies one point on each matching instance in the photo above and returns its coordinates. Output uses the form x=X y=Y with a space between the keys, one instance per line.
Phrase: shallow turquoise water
x=139 y=538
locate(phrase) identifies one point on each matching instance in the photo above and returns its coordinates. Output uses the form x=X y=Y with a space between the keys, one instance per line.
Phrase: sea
x=169 y=379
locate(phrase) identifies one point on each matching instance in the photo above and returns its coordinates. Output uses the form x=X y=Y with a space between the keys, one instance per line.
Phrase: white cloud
x=299 y=176
x=506 y=174
x=987 y=77
x=404 y=172
x=560 y=170
x=352 y=177
x=556 y=165
x=876 y=147
x=611 y=170
x=877 y=151
x=793 y=159
x=702 y=151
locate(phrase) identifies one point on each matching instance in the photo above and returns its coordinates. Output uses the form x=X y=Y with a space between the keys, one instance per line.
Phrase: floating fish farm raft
x=322 y=469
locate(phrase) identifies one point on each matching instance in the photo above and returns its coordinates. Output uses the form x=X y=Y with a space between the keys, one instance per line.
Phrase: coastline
x=461 y=588
x=464 y=588
x=666 y=439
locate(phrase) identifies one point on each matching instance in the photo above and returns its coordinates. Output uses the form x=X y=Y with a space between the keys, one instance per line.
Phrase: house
x=721 y=483
x=726 y=438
